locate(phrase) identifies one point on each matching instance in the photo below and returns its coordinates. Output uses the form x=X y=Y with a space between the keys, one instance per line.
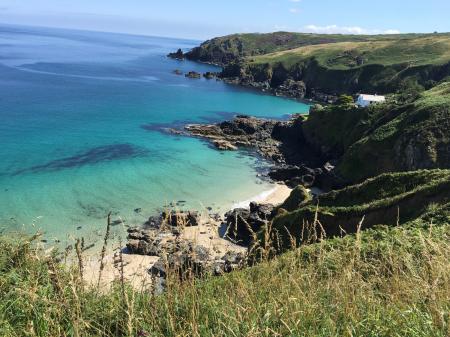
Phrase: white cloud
x=335 y=29
x=295 y=0
x=294 y=10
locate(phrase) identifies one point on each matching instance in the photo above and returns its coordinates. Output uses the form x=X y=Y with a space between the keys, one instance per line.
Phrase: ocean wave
x=144 y=79
x=257 y=198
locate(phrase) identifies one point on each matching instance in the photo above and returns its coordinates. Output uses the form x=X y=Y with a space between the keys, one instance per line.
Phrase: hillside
x=384 y=51
x=222 y=50
x=389 y=199
x=383 y=282
x=390 y=137
x=329 y=64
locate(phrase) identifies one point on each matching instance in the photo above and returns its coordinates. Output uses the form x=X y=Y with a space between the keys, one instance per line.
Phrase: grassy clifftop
x=331 y=64
x=381 y=50
x=231 y=47
x=395 y=136
x=408 y=137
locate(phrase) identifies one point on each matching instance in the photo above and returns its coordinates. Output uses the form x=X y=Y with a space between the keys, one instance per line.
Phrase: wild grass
x=380 y=282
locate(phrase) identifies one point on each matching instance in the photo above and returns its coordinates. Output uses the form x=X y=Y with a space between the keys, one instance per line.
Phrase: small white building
x=366 y=100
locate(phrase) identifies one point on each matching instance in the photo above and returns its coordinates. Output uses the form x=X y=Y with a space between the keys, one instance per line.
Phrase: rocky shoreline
x=191 y=243
x=194 y=244
x=232 y=73
x=282 y=142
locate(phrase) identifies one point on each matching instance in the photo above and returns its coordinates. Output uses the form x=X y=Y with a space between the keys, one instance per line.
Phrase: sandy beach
x=205 y=234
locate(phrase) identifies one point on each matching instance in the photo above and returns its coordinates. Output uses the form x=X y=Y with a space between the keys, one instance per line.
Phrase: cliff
x=324 y=66
x=384 y=138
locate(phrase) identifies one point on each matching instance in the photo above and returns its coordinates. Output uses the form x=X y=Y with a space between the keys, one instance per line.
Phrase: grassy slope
x=333 y=64
x=390 y=199
x=256 y=44
x=384 y=138
x=384 y=282
x=413 y=136
x=382 y=50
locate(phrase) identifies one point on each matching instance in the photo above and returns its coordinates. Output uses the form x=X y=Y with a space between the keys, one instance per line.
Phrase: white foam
x=257 y=198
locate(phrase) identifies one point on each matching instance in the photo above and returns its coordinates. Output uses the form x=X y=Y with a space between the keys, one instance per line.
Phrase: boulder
x=233 y=261
x=243 y=224
x=158 y=269
x=181 y=218
x=298 y=197
x=291 y=88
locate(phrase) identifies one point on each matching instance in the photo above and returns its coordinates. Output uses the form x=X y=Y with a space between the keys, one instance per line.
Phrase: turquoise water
x=79 y=135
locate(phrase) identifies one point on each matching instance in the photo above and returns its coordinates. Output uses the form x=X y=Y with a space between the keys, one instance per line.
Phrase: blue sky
x=201 y=19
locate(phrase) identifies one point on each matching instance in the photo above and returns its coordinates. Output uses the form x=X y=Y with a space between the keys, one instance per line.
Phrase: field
x=345 y=55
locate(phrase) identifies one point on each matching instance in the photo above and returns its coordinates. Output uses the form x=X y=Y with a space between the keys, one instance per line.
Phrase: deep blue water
x=78 y=134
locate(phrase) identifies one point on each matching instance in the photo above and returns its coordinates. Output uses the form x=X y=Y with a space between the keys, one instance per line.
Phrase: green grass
x=247 y=45
x=383 y=282
x=422 y=50
x=389 y=199
x=404 y=137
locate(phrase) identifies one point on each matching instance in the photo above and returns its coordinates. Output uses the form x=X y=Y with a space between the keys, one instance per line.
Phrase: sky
x=203 y=19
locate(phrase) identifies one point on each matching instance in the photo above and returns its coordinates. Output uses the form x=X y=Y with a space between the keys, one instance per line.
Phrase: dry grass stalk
x=54 y=277
x=103 y=252
x=128 y=307
x=79 y=252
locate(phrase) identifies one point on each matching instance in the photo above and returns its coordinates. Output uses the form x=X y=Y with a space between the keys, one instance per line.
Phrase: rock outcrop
x=178 y=55
x=243 y=224
x=242 y=131
x=186 y=245
x=280 y=141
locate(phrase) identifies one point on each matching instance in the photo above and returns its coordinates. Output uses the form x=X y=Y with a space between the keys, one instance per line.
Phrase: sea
x=82 y=119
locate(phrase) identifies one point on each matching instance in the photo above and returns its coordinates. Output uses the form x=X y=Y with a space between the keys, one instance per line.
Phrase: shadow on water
x=163 y=127
x=179 y=124
x=93 y=156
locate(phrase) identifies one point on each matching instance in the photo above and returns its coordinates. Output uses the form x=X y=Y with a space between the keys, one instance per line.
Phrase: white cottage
x=366 y=100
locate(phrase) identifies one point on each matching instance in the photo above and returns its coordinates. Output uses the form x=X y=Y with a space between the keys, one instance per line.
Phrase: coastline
x=136 y=267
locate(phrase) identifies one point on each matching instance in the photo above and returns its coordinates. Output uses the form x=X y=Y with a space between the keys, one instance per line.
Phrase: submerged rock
x=193 y=74
x=209 y=75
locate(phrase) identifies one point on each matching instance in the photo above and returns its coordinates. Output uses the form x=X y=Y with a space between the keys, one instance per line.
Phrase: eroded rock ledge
x=243 y=131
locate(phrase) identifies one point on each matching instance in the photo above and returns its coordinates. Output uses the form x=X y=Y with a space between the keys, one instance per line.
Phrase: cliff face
x=407 y=133
x=316 y=78
x=384 y=138
x=417 y=138
x=218 y=51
